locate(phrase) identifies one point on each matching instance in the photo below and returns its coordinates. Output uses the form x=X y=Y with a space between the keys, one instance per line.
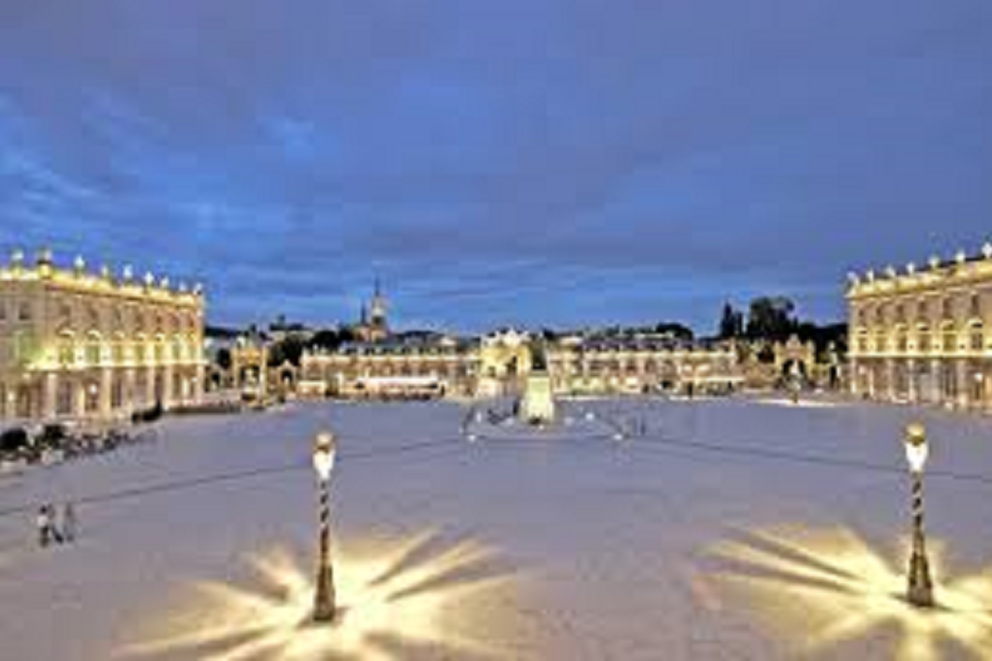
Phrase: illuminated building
x=918 y=335
x=500 y=363
x=79 y=345
x=374 y=324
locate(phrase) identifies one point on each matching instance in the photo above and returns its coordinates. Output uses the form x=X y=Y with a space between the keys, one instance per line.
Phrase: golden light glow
x=423 y=595
x=820 y=591
x=802 y=403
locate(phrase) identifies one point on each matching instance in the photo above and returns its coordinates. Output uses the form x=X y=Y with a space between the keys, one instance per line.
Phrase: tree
x=770 y=318
x=224 y=360
x=290 y=350
x=731 y=323
x=676 y=330
x=13 y=440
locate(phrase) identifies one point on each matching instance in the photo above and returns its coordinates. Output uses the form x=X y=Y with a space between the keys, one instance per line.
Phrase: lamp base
x=920 y=592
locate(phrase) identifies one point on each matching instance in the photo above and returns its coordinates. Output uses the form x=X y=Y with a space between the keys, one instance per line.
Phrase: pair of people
x=49 y=531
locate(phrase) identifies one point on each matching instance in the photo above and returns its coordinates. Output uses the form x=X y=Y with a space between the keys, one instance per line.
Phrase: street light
x=323 y=462
x=920 y=590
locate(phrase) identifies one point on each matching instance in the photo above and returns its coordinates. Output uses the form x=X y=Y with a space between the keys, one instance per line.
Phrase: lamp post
x=920 y=589
x=323 y=462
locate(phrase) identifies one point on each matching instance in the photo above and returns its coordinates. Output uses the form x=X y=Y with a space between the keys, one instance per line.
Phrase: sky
x=525 y=162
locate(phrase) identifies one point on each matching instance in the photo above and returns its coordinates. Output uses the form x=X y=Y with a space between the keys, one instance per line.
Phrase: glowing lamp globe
x=916 y=447
x=324 y=448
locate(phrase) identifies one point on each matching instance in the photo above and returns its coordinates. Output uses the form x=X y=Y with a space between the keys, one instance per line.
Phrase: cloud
x=541 y=163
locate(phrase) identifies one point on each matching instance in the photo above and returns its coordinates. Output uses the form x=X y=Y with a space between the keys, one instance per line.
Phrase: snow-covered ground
x=737 y=529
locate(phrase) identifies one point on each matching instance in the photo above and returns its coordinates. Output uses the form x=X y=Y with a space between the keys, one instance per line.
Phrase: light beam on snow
x=421 y=595
x=822 y=590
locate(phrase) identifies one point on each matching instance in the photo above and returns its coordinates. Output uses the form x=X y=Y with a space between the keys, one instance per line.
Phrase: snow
x=740 y=529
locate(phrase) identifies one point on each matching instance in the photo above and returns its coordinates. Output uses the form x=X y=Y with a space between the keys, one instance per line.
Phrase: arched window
x=141 y=350
x=118 y=350
x=863 y=341
x=976 y=337
x=880 y=341
x=902 y=339
x=950 y=338
x=93 y=350
x=923 y=339
x=67 y=350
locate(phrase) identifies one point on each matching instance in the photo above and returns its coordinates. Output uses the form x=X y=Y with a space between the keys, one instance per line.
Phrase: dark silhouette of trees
x=731 y=323
x=770 y=318
x=224 y=360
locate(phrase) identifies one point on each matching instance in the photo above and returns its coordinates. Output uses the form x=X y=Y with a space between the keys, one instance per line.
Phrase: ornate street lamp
x=323 y=462
x=920 y=590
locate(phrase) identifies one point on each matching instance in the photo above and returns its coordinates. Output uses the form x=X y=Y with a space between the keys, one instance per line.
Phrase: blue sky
x=522 y=161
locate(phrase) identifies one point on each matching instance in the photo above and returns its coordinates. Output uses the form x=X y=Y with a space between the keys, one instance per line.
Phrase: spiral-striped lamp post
x=323 y=462
x=920 y=590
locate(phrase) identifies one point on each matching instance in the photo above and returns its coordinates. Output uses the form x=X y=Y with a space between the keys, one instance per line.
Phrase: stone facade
x=499 y=364
x=76 y=345
x=920 y=335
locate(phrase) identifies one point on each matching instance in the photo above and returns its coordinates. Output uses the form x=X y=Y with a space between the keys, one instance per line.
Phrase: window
x=118 y=352
x=922 y=309
x=3 y=311
x=976 y=306
x=67 y=351
x=902 y=340
x=977 y=338
x=93 y=353
x=924 y=339
x=950 y=340
x=880 y=341
x=24 y=347
x=24 y=311
x=947 y=308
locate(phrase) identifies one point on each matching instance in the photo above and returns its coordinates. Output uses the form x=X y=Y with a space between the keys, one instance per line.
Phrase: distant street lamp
x=920 y=590
x=323 y=462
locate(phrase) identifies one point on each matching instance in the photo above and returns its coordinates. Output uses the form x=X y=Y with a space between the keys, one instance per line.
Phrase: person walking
x=69 y=523
x=53 y=530
x=43 y=522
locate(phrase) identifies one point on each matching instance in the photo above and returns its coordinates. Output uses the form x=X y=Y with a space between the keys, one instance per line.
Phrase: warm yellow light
x=324 y=449
x=916 y=447
x=824 y=591
x=420 y=593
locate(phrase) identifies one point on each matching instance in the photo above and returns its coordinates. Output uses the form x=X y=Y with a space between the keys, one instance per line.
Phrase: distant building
x=373 y=325
x=500 y=363
x=281 y=330
x=919 y=335
x=76 y=345
x=412 y=364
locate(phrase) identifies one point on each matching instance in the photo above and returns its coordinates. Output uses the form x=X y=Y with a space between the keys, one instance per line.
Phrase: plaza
x=744 y=528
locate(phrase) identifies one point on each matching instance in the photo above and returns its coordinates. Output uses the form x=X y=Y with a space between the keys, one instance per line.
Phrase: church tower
x=374 y=325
